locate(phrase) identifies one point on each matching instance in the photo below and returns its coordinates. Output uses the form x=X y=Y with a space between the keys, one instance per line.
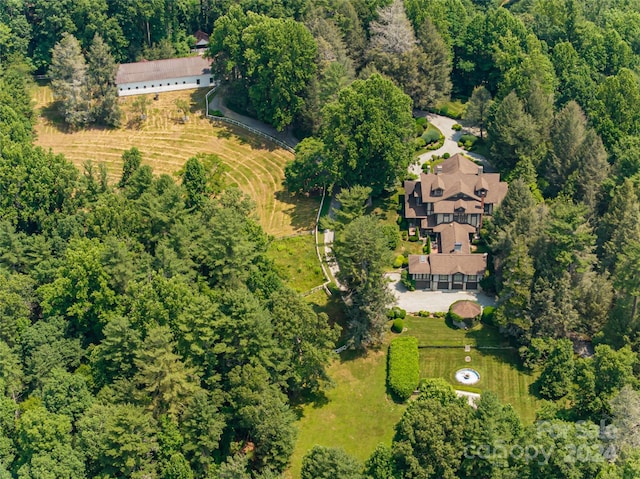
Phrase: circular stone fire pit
x=467 y=376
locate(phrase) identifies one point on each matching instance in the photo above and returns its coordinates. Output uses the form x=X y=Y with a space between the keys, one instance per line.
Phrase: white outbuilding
x=164 y=75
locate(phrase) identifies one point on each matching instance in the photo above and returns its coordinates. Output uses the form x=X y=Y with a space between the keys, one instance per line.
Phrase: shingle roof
x=460 y=175
x=163 y=69
x=435 y=263
x=452 y=233
x=466 y=309
x=202 y=38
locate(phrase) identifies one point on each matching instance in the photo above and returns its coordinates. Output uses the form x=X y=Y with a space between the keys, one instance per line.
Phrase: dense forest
x=143 y=331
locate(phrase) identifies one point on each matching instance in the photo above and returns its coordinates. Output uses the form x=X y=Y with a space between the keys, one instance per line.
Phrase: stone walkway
x=472 y=398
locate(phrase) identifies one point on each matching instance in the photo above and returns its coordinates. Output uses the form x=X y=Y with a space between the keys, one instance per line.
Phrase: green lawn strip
x=357 y=414
x=438 y=332
x=297 y=261
x=451 y=108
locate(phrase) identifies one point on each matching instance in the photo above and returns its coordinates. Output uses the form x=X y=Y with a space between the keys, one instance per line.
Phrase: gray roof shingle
x=163 y=69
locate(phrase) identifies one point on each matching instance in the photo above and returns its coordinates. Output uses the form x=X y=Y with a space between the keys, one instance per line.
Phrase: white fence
x=231 y=121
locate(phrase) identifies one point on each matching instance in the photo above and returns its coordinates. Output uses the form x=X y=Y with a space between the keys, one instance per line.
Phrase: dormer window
x=437 y=191
x=482 y=192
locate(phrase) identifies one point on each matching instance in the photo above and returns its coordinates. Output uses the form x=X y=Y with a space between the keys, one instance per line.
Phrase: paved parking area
x=432 y=301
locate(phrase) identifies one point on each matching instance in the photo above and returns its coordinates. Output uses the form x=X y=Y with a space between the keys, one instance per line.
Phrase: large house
x=448 y=206
x=164 y=75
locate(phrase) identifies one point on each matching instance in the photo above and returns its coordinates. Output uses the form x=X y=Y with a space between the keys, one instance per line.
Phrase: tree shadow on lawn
x=53 y=117
x=301 y=209
x=487 y=335
x=386 y=204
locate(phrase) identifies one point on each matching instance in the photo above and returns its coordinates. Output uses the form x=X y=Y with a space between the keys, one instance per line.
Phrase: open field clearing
x=357 y=414
x=297 y=261
x=255 y=166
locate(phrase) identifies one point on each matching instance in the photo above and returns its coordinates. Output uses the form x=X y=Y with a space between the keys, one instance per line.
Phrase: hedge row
x=404 y=366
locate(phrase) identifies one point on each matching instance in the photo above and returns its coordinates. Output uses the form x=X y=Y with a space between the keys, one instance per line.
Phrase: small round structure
x=467 y=359
x=467 y=376
x=466 y=309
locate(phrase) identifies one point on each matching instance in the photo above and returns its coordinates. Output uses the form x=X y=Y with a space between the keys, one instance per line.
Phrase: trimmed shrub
x=413 y=238
x=397 y=326
x=419 y=129
x=446 y=156
x=403 y=373
x=426 y=249
x=456 y=127
x=419 y=143
x=431 y=136
x=396 y=312
x=424 y=314
x=398 y=262
x=439 y=315
x=468 y=141
x=405 y=235
x=425 y=167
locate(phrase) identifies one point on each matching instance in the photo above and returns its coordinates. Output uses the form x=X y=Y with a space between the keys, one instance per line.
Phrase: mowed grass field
x=255 y=166
x=498 y=364
x=356 y=415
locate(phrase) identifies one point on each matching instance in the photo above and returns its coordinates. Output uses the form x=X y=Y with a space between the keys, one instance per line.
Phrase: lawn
x=255 y=166
x=357 y=414
x=451 y=108
x=297 y=262
x=499 y=369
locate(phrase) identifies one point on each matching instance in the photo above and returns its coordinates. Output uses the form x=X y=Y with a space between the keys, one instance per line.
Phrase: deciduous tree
x=366 y=134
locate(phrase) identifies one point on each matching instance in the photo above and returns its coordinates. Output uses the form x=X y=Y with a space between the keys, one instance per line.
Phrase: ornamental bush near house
x=468 y=141
x=446 y=156
x=398 y=326
x=431 y=136
x=403 y=373
x=407 y=281
x=398 y=262
x=396 y=312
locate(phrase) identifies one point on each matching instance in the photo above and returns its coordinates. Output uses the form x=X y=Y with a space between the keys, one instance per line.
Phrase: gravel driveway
x=432 y=301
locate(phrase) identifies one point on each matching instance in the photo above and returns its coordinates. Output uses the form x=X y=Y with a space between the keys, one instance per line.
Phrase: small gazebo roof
x=466 y=309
